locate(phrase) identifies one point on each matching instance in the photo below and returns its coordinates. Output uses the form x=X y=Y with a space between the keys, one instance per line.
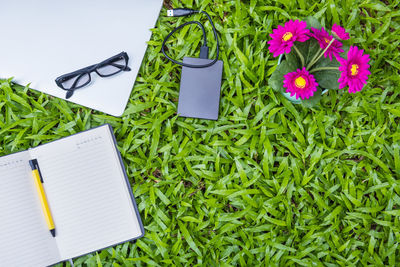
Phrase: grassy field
x=270 y=183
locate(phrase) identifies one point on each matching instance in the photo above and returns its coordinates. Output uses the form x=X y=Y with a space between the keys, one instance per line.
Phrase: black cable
x=204 y=49
x=183 y=25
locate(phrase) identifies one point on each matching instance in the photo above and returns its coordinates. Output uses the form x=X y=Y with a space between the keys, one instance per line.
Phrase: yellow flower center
x=326 y=40
x=287 y=36
x=300 y=82
x=354 y=69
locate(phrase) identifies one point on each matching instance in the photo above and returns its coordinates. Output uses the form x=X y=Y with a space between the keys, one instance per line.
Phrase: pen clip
x=35 y=166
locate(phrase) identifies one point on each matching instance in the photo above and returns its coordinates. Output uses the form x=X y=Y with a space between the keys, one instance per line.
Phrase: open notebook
x=88 y=192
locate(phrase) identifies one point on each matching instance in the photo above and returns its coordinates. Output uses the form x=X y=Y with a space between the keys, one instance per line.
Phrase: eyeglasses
x=80 y=78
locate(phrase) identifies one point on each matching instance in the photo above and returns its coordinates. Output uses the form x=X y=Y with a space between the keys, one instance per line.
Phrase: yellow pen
x=37 y=177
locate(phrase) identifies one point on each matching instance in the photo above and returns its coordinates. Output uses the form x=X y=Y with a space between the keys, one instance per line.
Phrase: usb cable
x=182 y=12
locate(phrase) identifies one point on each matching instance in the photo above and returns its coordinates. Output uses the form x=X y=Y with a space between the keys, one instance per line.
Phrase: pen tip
x=53 y=232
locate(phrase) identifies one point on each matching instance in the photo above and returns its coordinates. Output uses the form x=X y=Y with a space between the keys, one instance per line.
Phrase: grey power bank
x=200 y=89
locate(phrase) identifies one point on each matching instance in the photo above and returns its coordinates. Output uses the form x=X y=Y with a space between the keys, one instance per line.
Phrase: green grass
x=269 y=183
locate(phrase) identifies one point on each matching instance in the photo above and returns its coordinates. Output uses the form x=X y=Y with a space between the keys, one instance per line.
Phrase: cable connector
x=204 y=49
x=180 y=12
x=204 y=52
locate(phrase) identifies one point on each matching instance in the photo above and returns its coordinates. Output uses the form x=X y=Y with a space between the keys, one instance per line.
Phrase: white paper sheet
x=44 y=39
x=25 y=239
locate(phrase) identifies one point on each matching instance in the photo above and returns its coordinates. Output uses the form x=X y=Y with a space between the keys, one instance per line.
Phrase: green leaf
x=189 y=238
x=276 y=79
x=314 y=100
x=312 y=23
x=293 y=58
x=329 y=218
x=327 y=79
x=395 y=112
x=275 y=221
x=308 y=49
x=381 y=30
x=393 y=212
x=376 y=6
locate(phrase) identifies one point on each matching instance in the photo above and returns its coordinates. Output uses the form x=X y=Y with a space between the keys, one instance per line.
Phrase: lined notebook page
x=25 y=239
x=87 y=192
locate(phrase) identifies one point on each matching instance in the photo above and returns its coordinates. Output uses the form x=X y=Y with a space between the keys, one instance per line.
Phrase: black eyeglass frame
x=88 y=70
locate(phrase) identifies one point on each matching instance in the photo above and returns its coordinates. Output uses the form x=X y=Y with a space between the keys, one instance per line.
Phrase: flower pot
x=293 y=98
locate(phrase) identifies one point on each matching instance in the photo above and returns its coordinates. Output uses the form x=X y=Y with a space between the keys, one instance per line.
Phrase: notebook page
x=88 y=192
x=25 y=239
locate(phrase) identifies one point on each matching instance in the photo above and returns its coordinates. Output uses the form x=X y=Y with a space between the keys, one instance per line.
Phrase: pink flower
x=339 y=32
x=324 y=39
x=284 y=36
x=300 y=83
x=355 y=70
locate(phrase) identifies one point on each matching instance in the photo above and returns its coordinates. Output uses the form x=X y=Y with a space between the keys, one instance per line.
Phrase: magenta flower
x=284 y=36
x=355 y=70
x=300 y=83
x=339 y=32
x=324 y=39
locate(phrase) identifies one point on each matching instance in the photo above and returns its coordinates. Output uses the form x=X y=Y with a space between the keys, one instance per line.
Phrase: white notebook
x=88 y=192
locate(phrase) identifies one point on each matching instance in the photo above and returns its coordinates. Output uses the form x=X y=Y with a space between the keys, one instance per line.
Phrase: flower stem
x=300 y=55
x=315 y=56
x=320 y=55
x=324 y=68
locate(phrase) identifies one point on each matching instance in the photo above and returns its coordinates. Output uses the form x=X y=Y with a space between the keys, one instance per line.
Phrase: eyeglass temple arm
x=73 y=74
x=71 y=91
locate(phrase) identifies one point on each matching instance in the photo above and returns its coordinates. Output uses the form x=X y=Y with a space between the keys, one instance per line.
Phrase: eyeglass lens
x=76 y=81
x=112 y=67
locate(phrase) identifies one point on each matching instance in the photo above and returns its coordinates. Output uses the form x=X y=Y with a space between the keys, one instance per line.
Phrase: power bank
x=200 y=89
